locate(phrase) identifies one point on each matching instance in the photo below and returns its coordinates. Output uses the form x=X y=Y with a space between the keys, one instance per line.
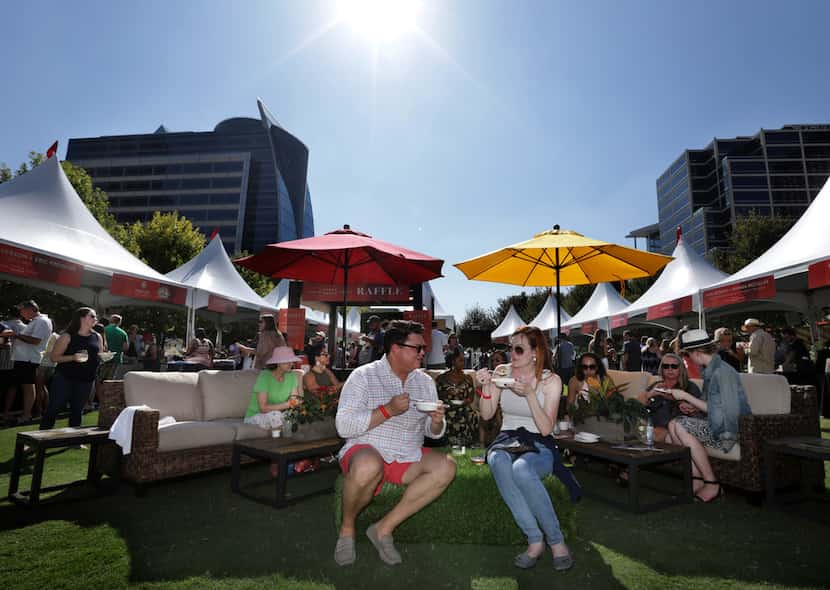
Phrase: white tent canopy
x=604 y=302
x=431 y=302
x=684 y=276
x=546 y=318
x=806 y=242
x=278 y=299
x=43 y=214
x=511 y=322
x=212 y=272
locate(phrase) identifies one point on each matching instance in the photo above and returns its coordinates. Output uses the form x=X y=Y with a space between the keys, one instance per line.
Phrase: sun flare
x=380 y=20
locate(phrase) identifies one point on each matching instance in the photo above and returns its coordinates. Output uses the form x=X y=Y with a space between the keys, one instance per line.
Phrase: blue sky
x=489 y=123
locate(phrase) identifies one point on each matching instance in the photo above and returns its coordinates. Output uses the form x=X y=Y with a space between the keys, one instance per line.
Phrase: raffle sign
x=818 y=274
x=357 y=293
x=670 y=308
x=589 y=327
x=618 y=321
x=292 y=322
x=423 y=317
x=149 y=290
x=221 y=305
x=760 y=288
x=24 y=263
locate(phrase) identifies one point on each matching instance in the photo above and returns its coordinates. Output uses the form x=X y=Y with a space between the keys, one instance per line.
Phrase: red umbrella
x=341 y=256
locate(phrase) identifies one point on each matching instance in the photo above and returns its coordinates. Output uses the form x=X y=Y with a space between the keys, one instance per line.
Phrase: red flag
x=214 y=234
x=678 y=234
x=52 y=150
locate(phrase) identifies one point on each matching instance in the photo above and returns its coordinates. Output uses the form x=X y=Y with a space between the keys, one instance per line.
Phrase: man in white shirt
x=26 y=353
x=384 y=434
x=435 y=358
x=761 y=350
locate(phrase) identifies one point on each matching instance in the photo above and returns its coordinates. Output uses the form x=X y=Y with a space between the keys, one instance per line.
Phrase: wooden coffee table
x=281 y=451
x=40 y=441
x=635 y=461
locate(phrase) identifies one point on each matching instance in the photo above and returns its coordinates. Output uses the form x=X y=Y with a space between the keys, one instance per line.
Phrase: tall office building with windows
x=775 y=172
x=247 y=177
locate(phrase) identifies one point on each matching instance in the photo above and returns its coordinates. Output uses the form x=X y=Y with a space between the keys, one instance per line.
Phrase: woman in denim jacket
x=724 y=402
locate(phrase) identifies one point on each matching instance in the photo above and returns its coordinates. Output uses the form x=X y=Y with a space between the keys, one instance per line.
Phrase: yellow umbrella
x=562 y=257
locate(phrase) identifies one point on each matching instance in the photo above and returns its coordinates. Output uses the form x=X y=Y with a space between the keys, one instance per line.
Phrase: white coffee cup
x=83 y=356
x=564 y=425
x=276 y=433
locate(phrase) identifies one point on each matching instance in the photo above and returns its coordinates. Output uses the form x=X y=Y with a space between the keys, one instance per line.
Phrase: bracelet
x=384 y=411
x=480 y=393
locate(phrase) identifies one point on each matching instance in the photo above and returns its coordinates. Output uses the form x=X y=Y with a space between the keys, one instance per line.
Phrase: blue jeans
x=61 y=391
x=520 y=484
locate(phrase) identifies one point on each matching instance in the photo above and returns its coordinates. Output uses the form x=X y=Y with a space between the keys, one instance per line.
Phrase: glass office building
x=777 y=172
x=247 y=177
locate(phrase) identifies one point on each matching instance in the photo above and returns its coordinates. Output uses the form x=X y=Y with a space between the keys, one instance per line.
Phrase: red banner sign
x=149 y=290
x=619 y=321
x=292 y=322
x=760 y=288
x=423 y=317
x=818 y=274
x=670 y=308
x=221 y=305
x=24 y=263
x=589 y=327
x=357 y=293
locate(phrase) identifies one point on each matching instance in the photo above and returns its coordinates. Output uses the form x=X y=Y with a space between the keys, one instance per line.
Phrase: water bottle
x=649 y=431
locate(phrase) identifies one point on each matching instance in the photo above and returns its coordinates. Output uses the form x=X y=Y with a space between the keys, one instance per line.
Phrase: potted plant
x=312 y=416
x=604 y=411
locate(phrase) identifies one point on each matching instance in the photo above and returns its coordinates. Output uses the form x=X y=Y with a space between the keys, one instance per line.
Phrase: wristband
x=384 y=411
x=480 y=393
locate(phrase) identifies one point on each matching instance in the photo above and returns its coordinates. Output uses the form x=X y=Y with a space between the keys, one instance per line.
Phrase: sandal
x=717 y=496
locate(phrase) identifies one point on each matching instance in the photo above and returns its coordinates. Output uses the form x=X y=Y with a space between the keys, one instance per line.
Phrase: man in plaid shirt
x=384 y=435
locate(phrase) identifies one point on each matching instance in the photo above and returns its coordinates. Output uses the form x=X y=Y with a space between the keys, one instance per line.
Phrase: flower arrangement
x=605 y=400
x=314 y=406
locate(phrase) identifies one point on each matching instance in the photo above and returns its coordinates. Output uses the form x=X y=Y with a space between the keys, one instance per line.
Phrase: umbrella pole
x=558 y=314
x=345 y=300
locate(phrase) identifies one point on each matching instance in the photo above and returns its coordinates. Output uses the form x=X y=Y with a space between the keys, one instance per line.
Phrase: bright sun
x=380 y=20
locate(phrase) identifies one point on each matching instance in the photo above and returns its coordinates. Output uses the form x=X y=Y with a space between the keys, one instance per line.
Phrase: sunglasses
x=517 y=350
x=670 y=366
x=419 y=348
x=588 y=367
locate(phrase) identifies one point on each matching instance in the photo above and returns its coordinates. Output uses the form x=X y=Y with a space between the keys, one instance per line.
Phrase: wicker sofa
x=778 y=410
x=208 y=406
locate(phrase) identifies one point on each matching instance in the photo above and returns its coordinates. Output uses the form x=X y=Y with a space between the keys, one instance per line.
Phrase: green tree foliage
x=750 y=237
x=259 y=283
x=478 y=318
x=167 y=241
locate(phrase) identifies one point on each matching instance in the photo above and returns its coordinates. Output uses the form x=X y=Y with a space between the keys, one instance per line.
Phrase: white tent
x=278 y=299
x=511 y=322
x=43 y=214
x=430 y=302
x=546 y=318
x=684 y=277
x=604 y=302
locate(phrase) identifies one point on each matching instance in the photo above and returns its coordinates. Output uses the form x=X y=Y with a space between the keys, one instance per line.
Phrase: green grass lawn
x=193 y=533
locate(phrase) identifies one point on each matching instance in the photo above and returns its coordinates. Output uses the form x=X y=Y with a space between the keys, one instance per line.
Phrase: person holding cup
x=529 y=395
x=76 y=356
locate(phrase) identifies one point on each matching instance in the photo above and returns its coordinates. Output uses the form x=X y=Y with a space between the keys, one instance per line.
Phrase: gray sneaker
x=563 y=562
x=344 y=551
x=385 y=546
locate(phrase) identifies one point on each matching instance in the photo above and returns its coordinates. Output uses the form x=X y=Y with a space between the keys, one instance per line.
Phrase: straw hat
x=282 y=354
x=695 y=339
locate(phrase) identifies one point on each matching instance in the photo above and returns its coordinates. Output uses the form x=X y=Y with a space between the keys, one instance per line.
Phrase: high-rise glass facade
x=247 y=177
x=775 y=172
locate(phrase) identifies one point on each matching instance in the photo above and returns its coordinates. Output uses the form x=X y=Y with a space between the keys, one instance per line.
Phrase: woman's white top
x=515 y=410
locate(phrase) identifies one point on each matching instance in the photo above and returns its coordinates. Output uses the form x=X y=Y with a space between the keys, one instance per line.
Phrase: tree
x=258 y=282
x=750 y=237
x=478 y=318
x=167 y=241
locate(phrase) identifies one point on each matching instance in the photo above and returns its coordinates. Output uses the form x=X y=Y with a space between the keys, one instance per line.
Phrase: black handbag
x=662 y=410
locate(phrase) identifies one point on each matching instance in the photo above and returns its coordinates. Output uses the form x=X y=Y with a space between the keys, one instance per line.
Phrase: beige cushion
x=635 y=382
x=172 y=394
x=767 y=394
x=193 y=435
x=244 y=431
x=733 y=455
x=226 y=394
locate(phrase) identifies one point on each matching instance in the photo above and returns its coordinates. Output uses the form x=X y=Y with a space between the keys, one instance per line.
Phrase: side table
x=42 y=440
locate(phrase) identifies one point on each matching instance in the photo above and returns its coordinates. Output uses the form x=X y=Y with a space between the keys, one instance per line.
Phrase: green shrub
x=471 y=510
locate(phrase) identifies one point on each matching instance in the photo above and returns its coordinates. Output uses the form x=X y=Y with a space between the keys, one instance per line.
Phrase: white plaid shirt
x=398 y=438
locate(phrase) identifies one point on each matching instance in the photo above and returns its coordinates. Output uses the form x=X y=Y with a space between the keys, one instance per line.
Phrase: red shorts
x=392 y=472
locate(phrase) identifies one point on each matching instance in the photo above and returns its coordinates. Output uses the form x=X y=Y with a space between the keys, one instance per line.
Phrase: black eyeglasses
x=588 y=367
x=670 y=366
x=419 y=348
x=517 y=350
